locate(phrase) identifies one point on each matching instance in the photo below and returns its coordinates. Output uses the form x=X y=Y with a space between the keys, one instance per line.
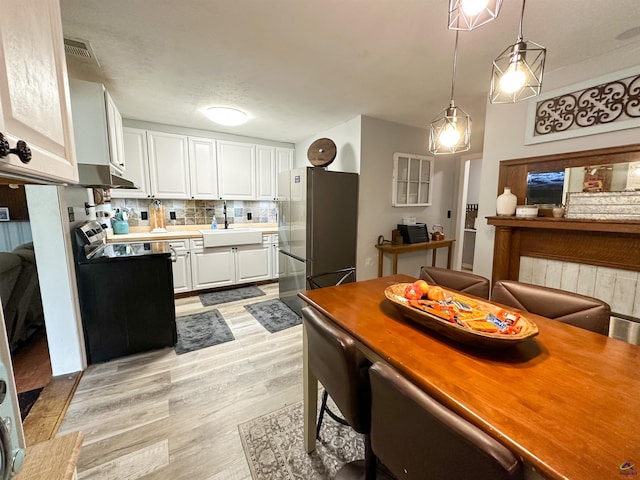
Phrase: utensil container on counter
x=157 y=218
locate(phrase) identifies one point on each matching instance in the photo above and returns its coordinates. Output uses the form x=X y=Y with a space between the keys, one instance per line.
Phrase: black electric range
x=125 y=292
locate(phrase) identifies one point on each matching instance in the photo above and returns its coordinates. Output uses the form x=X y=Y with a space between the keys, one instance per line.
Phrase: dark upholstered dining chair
x=342 y=370
x=578 y=310
x=464 y=282
x=418 y=438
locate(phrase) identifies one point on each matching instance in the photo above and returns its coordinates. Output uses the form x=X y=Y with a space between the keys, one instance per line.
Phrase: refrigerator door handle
x=295 y=257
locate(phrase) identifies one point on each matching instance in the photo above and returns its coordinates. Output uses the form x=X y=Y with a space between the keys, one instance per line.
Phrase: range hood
x=101 y=176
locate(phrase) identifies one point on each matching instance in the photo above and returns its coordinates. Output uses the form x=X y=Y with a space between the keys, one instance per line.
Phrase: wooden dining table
x=567 y=401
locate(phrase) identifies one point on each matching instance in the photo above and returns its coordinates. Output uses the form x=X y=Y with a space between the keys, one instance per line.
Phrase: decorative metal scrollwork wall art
x=608 y=106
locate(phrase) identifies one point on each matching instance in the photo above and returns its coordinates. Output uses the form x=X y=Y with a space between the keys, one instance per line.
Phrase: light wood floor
x=165 y=416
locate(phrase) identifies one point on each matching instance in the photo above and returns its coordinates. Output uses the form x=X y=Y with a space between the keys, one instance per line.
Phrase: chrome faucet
x=224 y=210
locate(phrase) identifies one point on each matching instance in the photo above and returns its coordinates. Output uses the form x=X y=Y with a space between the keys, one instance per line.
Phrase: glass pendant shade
x=450 y=131
x=470 y=14
x=517 y=73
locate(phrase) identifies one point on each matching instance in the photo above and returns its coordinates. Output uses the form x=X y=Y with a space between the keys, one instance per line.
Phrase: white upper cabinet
x=114 y=129
x=284 y=162
x=203 y=168
x=168 y=165
x=266 y=168
x=97 y=126
x=236 y=170
x=137 y=161
x=35 y=109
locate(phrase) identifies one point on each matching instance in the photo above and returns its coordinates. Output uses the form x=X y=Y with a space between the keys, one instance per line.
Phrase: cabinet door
x=266 y=172
x=212 y=267
x=236 y=170
x=114 y=130
x=181 y=266
x=253 y=263
x=137 y=161
x=203 y=168
x=34 y=95
x=284 y=162
x=168 y=165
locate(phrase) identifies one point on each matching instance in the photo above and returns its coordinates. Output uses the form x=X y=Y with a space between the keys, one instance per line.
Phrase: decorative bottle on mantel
x=506 y=203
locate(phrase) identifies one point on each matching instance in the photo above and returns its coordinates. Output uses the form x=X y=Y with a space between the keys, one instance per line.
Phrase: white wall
x=347 y=137
x=504 y=139
x=376 y=216
x=56 y=275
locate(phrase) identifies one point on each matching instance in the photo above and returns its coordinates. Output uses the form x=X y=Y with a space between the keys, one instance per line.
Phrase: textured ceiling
x=299 y=67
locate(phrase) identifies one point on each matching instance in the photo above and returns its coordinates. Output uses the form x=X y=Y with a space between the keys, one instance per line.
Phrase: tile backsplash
x=199 y=212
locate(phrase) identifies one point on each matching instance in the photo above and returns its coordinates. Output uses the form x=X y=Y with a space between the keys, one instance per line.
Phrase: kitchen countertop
x=143 y=234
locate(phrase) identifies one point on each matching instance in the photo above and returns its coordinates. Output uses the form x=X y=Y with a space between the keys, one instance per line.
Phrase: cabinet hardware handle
x=22 y=150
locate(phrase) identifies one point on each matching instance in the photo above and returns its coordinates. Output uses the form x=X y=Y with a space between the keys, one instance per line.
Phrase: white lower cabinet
x=211 y=267
x=180 y=256
x=196 y=267
x=253 y=262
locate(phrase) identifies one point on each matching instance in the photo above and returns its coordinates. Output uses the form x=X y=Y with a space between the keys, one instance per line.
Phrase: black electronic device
x=414 y=233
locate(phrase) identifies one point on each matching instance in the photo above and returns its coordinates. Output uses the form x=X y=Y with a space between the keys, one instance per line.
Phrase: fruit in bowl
x=417 y=290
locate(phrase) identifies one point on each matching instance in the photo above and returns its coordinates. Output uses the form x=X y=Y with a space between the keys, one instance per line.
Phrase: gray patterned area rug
x=273 y=315
x=273 y=445
x=201 y=330
x=225 y=296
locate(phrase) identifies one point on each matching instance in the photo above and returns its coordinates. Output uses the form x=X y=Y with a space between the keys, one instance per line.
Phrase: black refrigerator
x=317 y=227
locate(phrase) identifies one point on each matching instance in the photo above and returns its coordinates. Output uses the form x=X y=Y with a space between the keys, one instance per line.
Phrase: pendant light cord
x=455 y=61
x=520 y=37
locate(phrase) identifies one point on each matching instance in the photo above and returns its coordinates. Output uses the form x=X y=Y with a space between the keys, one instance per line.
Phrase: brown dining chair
x=342 y=370
x=568 y=307
x=464 y=282
x=417 y=438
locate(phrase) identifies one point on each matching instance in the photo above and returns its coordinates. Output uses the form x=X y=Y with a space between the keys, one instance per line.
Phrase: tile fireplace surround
x=595 y=258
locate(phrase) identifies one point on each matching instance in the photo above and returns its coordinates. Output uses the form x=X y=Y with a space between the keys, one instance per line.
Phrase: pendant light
x=517 y=72
x=470 y=14
x=450 y=131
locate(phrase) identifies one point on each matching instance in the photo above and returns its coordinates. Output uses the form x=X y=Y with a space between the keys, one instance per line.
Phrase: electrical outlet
x=144 y=215
x=172 y=215
x=249 y=216
x=72 y=215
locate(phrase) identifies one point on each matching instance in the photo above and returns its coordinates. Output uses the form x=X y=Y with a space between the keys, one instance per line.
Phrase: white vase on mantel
x=506 y=203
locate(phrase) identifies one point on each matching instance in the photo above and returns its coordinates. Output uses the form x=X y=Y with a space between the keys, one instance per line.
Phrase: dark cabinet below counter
x=127 y=306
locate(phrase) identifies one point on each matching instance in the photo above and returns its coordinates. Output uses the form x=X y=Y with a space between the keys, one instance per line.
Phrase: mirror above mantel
x=601 y=170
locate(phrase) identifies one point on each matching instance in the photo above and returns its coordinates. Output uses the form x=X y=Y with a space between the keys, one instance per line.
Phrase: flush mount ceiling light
x=517 y=72
x=226 y=116
x=470 y=14
x=450 y=131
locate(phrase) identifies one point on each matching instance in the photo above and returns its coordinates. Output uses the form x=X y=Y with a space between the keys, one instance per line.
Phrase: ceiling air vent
x=79 y=48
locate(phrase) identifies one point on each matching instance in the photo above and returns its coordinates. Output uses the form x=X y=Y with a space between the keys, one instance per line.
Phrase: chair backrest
x=462 y=281
x=416 y=437
x=578 y=310
x=327 y=279
x=337 y=364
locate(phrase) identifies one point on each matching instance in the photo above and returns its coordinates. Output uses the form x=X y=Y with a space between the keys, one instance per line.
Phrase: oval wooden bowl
x=395 y=294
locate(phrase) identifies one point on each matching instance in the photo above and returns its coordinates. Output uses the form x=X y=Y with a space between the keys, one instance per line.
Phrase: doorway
x=468 y=201
x=21 y=299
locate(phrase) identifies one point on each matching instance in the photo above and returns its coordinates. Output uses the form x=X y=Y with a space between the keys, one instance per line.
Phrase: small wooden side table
x=397 y=249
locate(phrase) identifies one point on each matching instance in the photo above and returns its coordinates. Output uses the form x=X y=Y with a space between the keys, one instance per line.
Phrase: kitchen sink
x=231 y=236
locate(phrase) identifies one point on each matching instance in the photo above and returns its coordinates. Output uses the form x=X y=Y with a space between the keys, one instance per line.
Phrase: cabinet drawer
x=197 y=243
x=179 y=244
